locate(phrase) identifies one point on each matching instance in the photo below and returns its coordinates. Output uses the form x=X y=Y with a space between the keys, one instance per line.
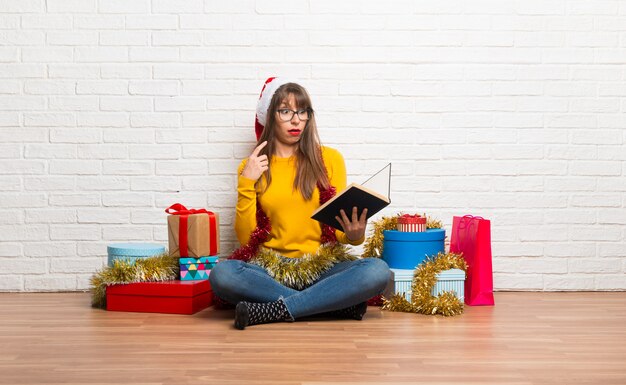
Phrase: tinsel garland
x=432 y=223
x=373 y=247
x=424 y=279
x=151 y=269
x=257 y=237
x=300 y=273
x=328 y=232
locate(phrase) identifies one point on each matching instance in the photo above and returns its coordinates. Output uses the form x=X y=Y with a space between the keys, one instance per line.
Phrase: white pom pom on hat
x=269 y=89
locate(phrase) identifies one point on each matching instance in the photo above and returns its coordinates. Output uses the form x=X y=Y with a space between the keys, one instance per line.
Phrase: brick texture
x=112 y=110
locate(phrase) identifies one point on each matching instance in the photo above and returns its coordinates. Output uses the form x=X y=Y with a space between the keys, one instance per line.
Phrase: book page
x=380 y=182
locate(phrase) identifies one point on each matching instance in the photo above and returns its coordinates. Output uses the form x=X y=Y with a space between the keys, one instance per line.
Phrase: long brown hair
x=309 y=164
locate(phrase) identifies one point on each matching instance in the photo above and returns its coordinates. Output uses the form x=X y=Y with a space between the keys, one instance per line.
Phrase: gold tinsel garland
x=373 y=247
x=424 y=279
x=299 y=273
x=151 y=269
x=432 y=223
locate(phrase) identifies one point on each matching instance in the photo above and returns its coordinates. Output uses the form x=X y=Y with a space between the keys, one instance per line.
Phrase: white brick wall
x=111 y=110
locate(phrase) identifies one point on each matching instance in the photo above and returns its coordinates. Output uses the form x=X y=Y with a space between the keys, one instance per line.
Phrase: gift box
x=406 y=250
x=403 y=278
x=449 y=280
x=196 y=268
x=176 y=297
x=192 y=232
x=411 y=223
x=132 y=251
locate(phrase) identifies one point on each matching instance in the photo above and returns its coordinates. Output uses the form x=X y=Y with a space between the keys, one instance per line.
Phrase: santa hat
x=269 y=88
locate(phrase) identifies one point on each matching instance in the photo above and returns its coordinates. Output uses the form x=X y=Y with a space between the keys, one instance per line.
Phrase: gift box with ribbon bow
x=192 y=232
x=412 y=223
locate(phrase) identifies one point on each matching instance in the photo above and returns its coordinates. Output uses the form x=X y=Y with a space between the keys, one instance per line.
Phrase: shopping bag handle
x=465 y=225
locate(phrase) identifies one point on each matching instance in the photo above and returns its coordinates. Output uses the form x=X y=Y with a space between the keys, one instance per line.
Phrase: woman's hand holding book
x=355 y=228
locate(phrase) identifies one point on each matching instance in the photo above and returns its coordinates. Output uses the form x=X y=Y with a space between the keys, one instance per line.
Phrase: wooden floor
x=527 y=338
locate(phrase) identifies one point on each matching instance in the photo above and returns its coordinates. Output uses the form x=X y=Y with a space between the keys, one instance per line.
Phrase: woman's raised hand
x=256 y=165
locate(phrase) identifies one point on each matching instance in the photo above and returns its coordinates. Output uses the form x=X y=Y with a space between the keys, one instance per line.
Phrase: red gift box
x=176 y=297
x=412 y=223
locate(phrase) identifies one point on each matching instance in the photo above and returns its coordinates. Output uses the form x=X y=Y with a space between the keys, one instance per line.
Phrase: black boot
x=353 y=312
x=250 y=313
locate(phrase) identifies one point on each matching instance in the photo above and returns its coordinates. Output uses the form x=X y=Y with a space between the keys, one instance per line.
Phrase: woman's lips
x=294 y=132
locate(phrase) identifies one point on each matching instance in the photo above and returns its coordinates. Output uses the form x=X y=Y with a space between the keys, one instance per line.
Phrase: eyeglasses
x=286 y=114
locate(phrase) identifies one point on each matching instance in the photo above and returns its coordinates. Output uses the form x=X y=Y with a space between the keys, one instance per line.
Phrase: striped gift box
x=452 y=280
x=412 y=223
x=403 y=280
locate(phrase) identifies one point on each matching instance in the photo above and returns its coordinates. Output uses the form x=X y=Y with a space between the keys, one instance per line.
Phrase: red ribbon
x=409 y=219
x=184 y=213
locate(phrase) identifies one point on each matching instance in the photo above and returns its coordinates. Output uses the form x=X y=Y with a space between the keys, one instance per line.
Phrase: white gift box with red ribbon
x=412 y=223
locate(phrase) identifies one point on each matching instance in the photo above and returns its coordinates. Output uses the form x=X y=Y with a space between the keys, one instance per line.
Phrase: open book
x=354 y=195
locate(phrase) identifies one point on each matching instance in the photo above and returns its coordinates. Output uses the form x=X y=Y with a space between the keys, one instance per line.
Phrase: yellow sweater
x=293 y=233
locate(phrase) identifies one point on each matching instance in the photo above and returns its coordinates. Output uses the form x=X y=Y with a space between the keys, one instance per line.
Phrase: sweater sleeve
x=336 y=167
x=245 y=215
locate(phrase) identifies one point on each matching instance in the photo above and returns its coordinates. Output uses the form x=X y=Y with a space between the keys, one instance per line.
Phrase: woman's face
x=289 y=132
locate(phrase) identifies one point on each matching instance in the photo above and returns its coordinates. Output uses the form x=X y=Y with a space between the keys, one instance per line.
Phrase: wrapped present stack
x=408 y=246
x=193 y=236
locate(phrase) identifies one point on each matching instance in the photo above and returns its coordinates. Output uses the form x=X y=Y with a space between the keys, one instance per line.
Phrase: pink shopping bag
x=472 y=237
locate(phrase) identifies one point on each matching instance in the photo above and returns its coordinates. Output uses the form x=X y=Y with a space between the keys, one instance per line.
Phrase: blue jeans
x=344 y=285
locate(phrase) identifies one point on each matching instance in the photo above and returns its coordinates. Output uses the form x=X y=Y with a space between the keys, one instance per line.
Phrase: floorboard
x=527 y=338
